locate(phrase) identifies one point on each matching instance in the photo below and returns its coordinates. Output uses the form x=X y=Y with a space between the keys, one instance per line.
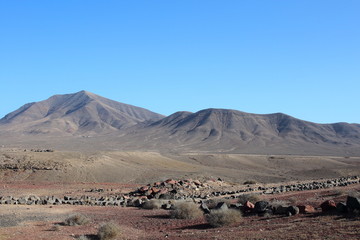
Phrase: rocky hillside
x=79 y=113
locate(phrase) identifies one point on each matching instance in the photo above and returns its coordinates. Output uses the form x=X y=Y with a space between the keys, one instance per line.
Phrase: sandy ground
x=145 y=167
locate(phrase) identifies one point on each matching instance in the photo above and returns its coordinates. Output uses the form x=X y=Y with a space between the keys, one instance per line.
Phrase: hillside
x=59 y=121
x=79 y=113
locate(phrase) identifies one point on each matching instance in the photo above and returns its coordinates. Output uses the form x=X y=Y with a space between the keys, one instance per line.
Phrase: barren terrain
x=19 y=164
x=44 y=222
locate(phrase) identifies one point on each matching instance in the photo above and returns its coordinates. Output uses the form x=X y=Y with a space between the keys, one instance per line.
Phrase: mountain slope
x=78 y=113
x=222 y=130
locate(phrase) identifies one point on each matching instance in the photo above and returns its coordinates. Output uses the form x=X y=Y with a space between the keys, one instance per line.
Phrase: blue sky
x=299 y=57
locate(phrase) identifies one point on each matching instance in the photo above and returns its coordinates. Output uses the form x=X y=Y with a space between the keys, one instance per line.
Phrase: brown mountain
x=78 y=113
x=222 y=130
x=119 y=126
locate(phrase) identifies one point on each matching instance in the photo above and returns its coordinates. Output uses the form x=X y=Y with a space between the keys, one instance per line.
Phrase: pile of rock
x=174 y=189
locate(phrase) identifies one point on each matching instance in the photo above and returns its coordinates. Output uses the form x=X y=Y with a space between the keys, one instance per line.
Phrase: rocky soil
x=316 y=213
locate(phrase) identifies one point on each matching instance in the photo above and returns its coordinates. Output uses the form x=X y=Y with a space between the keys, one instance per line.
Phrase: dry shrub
x=108 y=231
x=152 y=204
x=249 y=182
x=249 y=197
x=186 y=210
x=354 y=193
x=220 y=217
x=77 y=219
x=212 y=203
x=56 y=227
x=276 y=202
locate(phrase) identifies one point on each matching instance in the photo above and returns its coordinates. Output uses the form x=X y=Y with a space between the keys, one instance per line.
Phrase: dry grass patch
x=77 y=219
x=186 y=210
x=152 y=204
x=220 y=217
x=249 y=197
x=247 y=182
x=109 y=231
x=212 y=203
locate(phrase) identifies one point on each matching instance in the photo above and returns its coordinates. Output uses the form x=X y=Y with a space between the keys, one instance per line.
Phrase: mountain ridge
x=128 y=127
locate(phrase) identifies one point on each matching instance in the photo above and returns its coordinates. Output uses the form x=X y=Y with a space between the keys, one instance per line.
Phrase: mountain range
x=126 y=127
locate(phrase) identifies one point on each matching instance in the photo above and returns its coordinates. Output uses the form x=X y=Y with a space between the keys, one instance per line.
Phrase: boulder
x=222 y=206
x=328 y=206
x=261 y=206
x=341 y=208
x=280 y=210
x=304 y=209
x=248 y=207
x=171 y=181
x=353 y=203
x=205 y=208
x=293 y=210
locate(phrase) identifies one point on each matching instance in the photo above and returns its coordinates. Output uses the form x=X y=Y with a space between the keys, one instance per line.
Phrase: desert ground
x=45 y=222
x=40 y=172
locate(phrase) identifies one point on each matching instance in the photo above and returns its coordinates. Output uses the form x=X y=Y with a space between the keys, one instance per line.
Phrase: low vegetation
x=109 y=231
x=221 y=217
x=250 y=182
x=186 y=210
x=249 y=197
x=212 y=203
x=77 y=219
x=152 y=204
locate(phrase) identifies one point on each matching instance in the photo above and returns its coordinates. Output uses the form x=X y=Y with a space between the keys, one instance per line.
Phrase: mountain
x=119 y=126
x=223 y=130
x=78 y=113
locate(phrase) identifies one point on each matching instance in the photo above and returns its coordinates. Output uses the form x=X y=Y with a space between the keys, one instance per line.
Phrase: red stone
x=306 y=209
x=171 y=181
x=248 y=206
x=144 y=189
x=328 y=205
x=155 y=190
x=164 y=190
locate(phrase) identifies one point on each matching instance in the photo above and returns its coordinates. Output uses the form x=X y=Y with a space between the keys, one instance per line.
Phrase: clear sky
x=299 y=57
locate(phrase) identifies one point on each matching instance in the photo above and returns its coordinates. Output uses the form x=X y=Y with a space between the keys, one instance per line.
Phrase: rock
x=222 y=206
x=341 y=208
x=293 y=210
x=166 y=206
x=261 y=206
x=22 y=200
x=248 y=207
x=197 y=182
x=280 y=210
x=171 y=181
x=304 y=209
x=205 y=208
x=137 y=202
x=353 y=203
x=328 y=206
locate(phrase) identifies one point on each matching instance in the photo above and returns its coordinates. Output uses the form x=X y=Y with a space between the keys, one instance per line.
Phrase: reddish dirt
x=38 y=222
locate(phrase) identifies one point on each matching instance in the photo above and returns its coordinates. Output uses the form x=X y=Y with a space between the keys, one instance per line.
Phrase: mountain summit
x=77 y=113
